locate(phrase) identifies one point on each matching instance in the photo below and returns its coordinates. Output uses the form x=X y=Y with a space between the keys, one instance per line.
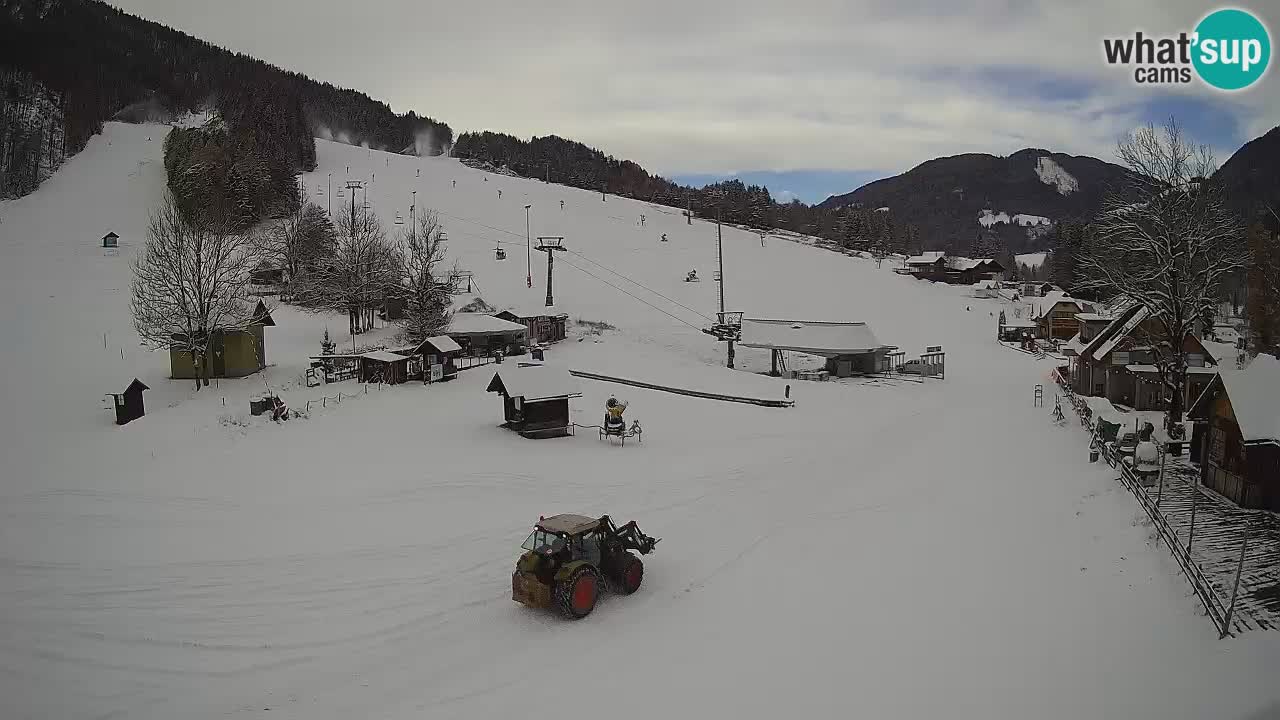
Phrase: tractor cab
x=569 y=557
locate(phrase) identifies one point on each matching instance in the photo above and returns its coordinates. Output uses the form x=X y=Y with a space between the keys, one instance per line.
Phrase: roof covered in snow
x=1044 y=305
x=533 y=311
x=1093 y=317
x=467 y=323
x=1117 y=331
x=383 y=356
x=535 y=383
x=813 y=337
x=927 y=258
x=1255 y=398
x=441 y=343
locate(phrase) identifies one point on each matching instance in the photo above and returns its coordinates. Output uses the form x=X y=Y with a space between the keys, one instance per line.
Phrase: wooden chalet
x=110 y=240
x=1237 y=434
x=543 y=325
x=480 y=334
x=1118 y=364
x=849 y=347
x=535 y=400
x=230 y=353
x=1055 y=316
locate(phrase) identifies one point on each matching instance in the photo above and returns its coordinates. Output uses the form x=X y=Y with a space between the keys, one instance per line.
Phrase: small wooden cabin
x=110 y=240
x=384 y=366
x=544 y=325
x=129 y=406
x=1237 y=434
x=535 y=400
x=441 y=351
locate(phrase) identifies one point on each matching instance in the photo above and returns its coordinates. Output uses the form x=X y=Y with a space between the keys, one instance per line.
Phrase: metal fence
x=1222 y=611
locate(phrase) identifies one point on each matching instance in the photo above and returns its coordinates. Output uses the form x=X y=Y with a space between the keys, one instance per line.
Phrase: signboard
x=933 y=348
x=437 y=373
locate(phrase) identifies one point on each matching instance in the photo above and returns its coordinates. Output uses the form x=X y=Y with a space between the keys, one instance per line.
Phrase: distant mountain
x=1016 y=198
x=1252 y=175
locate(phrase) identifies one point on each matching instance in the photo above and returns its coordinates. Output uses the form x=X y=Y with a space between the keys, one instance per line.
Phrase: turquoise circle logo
x=1232 y=49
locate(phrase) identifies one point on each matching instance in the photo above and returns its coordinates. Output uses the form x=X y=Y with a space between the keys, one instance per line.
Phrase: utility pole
x=330 y=194
x=413 y=214
x=720 y=260
x=688 y=209
x=528 y=253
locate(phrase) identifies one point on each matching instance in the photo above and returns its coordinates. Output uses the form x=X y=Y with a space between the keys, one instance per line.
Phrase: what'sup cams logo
x=1228 y=50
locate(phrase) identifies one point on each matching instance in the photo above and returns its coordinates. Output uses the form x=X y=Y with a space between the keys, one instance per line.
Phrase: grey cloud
x=709 y=86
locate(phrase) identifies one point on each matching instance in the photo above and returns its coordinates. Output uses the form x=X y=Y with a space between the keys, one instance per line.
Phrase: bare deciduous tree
x=1166 y=241
x=1263 y=283
x=190 y=282
x=357 y=279
x=299 y=242
x=427 y=291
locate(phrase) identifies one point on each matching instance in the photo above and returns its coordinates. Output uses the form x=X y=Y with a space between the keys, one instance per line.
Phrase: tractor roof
x=569 y=524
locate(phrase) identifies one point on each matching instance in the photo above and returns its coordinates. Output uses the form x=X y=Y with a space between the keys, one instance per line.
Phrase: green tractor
x=569 y=558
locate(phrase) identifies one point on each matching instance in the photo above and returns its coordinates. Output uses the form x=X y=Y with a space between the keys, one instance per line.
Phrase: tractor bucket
x=528 y=590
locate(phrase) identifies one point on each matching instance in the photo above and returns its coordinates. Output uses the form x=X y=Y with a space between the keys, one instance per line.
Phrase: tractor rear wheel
x=627 y=573
x=577 y=595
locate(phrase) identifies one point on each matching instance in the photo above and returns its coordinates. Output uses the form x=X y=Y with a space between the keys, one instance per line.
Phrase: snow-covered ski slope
x=916 y=550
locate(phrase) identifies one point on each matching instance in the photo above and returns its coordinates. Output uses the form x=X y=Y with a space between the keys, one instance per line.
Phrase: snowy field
x=886 y=549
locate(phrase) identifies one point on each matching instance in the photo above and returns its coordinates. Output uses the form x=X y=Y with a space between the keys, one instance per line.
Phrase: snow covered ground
x=889 y=549
x=1031 y=259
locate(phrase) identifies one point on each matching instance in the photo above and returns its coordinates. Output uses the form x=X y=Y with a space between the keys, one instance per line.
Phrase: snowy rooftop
x=533 y=310
x=1093 y=317
x=927 y=258
x=383 y=356
x=813 y=337
x=1255 y=398
x=442 y=343
x=1118 y=333
x=464 y=323
x=1044 y=305
x=535 y=383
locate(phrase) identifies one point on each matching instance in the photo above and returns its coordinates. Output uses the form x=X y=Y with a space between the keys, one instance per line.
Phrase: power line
x=624 y=292
x=615 y=272
x=655 y=292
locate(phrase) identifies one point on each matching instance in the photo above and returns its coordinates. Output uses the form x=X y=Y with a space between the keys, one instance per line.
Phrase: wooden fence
x=1218 y=610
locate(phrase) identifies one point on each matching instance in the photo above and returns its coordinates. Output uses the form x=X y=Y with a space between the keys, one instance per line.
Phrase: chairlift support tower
x=550 y=244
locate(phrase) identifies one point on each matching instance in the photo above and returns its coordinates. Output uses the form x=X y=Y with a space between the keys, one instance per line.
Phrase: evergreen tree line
x=95 y=61
x=32 y=133
x=557 y=160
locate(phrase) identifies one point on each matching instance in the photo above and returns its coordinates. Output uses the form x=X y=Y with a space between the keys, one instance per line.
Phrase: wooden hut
x=129 y=404
x=480 y=334
x=439 y=355
x=231 y=353
x=1237 y=434
x=543 y=325
x=535 y=400
x=110 y=240
x=384 y=366
x=848 y=347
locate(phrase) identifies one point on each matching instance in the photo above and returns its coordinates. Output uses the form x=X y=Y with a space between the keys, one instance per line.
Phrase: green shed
x=231 y=353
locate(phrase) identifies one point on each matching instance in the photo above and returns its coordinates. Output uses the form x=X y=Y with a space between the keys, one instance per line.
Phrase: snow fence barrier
x=763 y=402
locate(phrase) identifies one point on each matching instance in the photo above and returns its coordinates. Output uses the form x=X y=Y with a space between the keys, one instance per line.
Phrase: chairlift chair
x=340 y=193
x=499 y=253
x=399 y=218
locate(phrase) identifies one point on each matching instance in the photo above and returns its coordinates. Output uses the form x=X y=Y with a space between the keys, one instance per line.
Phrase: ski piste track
x=764 y=402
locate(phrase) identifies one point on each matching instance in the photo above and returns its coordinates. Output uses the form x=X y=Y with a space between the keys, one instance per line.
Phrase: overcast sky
x=810 y=97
